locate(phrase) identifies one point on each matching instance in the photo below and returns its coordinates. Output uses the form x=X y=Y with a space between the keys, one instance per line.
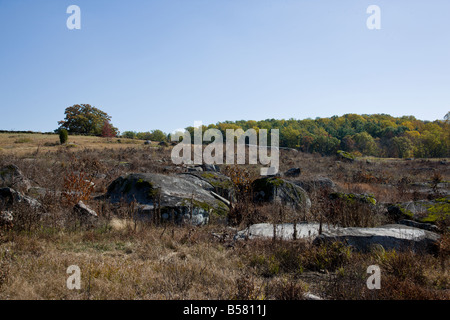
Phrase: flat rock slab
x=283 y=231
x=393 y=236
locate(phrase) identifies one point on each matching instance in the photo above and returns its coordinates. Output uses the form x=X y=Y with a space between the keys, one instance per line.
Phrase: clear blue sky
x=162 y=64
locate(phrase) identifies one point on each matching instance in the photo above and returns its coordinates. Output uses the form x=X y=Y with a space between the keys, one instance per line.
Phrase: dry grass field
x=29 y=143
x=121 y=258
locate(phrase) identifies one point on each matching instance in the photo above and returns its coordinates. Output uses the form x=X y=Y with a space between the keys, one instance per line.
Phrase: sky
x=163 y=64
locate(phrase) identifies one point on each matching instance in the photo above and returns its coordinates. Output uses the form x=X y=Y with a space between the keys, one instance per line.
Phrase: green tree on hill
x=84 y=119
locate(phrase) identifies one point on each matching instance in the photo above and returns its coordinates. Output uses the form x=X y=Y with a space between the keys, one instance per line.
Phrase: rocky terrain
x=307 y=228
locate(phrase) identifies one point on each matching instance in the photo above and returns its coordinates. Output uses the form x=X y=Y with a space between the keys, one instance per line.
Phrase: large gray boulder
x=212 y=181
x=12 y=177
x=393 y=236
x=174 y=197
x=278 y=190
x=9 y=197
x=428 y=211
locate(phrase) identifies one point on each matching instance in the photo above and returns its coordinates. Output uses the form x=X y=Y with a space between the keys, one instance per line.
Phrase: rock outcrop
x=278 y=190
x=428 y=211
x=12 y=177
x=213 y=181
x=175 y=198
x=10 y=197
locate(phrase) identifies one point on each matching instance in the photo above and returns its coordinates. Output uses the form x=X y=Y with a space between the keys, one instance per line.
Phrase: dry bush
x=397 y=289
x=326 y=256
x=403 y=266
x=77 y=187
x=405 y=275
x=5 y=266
x=246 y=288
x=243 y=208
x=347 y=283
x=26 y=218
x=352 y=214
x=285 y=289
x=270 y=259
x=402 y=187
x=344 y=212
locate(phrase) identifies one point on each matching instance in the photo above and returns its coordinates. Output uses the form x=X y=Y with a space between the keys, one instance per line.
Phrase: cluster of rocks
x=202 y=192
x=198 y=194
x=14 y=187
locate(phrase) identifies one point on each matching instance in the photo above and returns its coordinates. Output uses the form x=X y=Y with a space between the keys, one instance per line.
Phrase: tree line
x=379 y=135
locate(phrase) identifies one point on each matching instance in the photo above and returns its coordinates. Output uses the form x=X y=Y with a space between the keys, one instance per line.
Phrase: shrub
x=241 y=180
x=246 y=288
x=285 y=289
x=327 y=256
x=77 y=186
x=352 y=210
x=63 y=136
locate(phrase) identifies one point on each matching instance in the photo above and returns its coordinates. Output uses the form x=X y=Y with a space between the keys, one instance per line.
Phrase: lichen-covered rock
x=343 y=155
x=278 y=190
x=213 y=181
x=12 y=177
x=422 y=210
x=354 y=197
x=174 y=197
